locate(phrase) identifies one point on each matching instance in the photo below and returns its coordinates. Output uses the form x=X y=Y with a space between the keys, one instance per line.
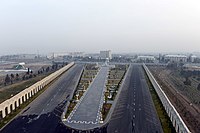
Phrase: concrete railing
x=11 y=104
x=175 y=118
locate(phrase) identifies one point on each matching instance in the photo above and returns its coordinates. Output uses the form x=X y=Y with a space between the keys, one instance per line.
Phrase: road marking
x=82 y=122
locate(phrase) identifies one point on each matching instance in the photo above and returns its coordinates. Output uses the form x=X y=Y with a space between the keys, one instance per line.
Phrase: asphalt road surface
x=87 y=114
x=43 y=114
x=135 y=112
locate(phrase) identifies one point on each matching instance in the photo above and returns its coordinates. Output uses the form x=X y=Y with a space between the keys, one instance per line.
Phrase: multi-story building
x=175 y=58
x=105 y=54
x=63 y=54
x=146 y=58
x=192 y=58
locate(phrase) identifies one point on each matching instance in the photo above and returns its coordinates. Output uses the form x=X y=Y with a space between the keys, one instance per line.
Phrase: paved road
x=43 y=114
x=135 y=112
x=87 y=113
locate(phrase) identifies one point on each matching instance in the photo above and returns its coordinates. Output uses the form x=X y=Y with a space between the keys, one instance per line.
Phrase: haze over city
x=86 y=25
x=99 y=66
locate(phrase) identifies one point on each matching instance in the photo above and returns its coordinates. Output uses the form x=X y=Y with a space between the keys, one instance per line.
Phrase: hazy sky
x=92 y=25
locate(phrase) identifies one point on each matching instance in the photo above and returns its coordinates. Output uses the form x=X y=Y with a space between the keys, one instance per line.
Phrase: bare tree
x=7 y=79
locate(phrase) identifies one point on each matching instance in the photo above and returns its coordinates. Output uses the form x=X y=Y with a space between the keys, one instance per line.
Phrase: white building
x=146 y=58
x=175 y=58
x=62 y=54
x=192 y=58
x=77 y=54
x=106 y=54
x=57 y=55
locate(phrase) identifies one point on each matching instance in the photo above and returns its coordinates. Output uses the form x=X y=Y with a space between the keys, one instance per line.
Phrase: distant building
x=192 y=58
x=192 y=67
x=57 y=55
x=19 y=56
x=175 y=58
x=145 y=58
x=105 y=54
x=20 y=66
x=161 y=58
x=77 y=54
x=63 y=54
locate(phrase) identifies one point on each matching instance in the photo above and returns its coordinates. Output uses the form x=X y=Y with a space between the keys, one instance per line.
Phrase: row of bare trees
x=11 y=78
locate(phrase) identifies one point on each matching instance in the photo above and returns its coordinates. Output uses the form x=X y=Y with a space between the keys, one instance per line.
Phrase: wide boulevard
x=135 y=111
x=43 y=114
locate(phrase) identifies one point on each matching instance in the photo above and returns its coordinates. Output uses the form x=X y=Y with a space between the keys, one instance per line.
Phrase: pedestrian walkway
x=87 y=114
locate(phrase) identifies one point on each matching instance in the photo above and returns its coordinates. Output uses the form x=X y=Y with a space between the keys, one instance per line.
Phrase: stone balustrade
x=175 y=118
x=11 y=104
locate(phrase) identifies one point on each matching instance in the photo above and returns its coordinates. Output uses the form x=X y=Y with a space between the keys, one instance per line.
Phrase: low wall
x=175 y=118
x=11 y=104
